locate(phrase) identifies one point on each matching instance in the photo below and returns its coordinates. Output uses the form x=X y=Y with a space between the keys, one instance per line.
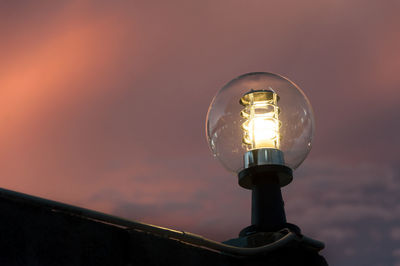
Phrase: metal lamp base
x=263 y=165
x=265 y=174
x=264 y=156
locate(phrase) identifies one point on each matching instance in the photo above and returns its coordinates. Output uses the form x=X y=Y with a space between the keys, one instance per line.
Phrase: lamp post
x=260 y=126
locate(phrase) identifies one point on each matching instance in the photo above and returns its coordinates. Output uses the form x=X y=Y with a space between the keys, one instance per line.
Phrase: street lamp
x=260 y=126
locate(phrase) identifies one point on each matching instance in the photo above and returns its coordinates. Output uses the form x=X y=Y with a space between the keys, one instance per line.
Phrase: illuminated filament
x=261 y=128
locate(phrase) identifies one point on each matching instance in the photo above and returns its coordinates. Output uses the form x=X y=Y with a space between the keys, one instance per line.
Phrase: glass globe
x=260 y=112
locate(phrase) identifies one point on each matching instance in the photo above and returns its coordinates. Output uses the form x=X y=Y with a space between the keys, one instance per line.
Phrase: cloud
x=359 y=211
x=395 y=233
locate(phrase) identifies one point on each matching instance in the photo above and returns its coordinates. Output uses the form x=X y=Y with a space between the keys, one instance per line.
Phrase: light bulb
x=260 y=119
x=261 y=126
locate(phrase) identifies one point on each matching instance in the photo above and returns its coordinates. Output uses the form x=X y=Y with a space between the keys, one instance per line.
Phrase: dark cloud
x=357 y=216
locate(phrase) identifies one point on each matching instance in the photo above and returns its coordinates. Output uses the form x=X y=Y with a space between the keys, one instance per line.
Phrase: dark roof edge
x=77 y=211
x=186 y=237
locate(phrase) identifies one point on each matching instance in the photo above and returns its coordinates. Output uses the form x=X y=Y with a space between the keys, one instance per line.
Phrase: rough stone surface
x=38 y=232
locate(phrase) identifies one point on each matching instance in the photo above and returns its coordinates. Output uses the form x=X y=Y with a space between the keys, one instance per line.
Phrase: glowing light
x=261 y=128
x=260 y=119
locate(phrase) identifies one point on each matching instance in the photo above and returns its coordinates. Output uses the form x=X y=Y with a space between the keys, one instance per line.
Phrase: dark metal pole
x=267 y=210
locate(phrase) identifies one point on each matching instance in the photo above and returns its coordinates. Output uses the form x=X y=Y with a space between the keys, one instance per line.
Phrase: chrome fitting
x=263 y=156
